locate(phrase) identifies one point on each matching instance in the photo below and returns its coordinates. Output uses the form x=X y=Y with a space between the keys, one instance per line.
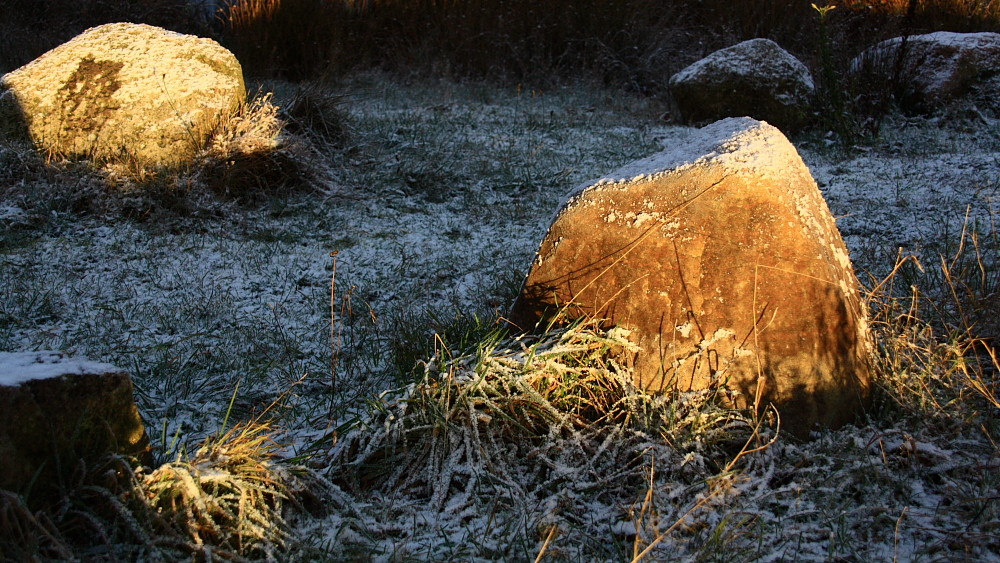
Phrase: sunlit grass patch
x=548 y=431
x=228 y=496
x=936 y=321
x=226 y=501
x=561 y=398
x=251 y=157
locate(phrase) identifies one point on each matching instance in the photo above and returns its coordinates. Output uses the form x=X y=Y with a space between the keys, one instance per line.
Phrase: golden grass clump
x=937 y=358
x=578 y=376
x=229 y=495
x=942 y=380
x=566 y=394
x=254 y=127
x=249 y=155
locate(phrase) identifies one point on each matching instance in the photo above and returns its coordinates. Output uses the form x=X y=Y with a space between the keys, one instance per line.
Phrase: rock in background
x=933 y=69
x=723 y=259
x=755 y=78
x=56 y=411
x=124 y=91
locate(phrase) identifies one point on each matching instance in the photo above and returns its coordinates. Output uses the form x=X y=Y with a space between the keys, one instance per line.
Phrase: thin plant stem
x=334 y=332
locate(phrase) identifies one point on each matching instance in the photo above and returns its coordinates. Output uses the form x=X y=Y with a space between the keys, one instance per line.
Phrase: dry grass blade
x=570 y=375
x=978 y=382
x=715 y=486
x=545 y=545
x=678 y=522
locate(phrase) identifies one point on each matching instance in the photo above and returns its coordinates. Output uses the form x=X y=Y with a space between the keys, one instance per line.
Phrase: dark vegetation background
x=636 y=45
x=633 y=43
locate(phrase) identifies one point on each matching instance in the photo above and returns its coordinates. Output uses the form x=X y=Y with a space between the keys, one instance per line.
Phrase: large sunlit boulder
x=722 y=258
x=123 y=90
x=932 y=69
x=755 y=78
x=57 y=411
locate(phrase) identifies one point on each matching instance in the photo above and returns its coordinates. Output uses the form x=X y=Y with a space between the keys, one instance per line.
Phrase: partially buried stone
x=57 y=411
x=723 y=259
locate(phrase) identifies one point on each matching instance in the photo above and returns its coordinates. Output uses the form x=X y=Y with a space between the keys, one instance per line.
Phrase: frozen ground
x=434 y=210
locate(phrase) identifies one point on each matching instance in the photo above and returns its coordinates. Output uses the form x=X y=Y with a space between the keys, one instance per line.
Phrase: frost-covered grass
x=434 y=196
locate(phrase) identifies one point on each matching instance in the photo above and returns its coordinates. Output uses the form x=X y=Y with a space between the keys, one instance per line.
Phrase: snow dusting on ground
x=435 y=212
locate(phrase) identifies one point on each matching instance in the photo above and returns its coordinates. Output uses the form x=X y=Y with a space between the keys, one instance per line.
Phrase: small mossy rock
x=723 y=259
x=935 y=68
x=56 y=411
x=124 y=91
x=755 y=78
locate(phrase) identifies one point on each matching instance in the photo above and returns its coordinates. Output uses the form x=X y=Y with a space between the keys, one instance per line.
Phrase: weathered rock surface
x=755 y=78
x=723 y=259
x=124 y=90
x=935 y=68
x=55 y=411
